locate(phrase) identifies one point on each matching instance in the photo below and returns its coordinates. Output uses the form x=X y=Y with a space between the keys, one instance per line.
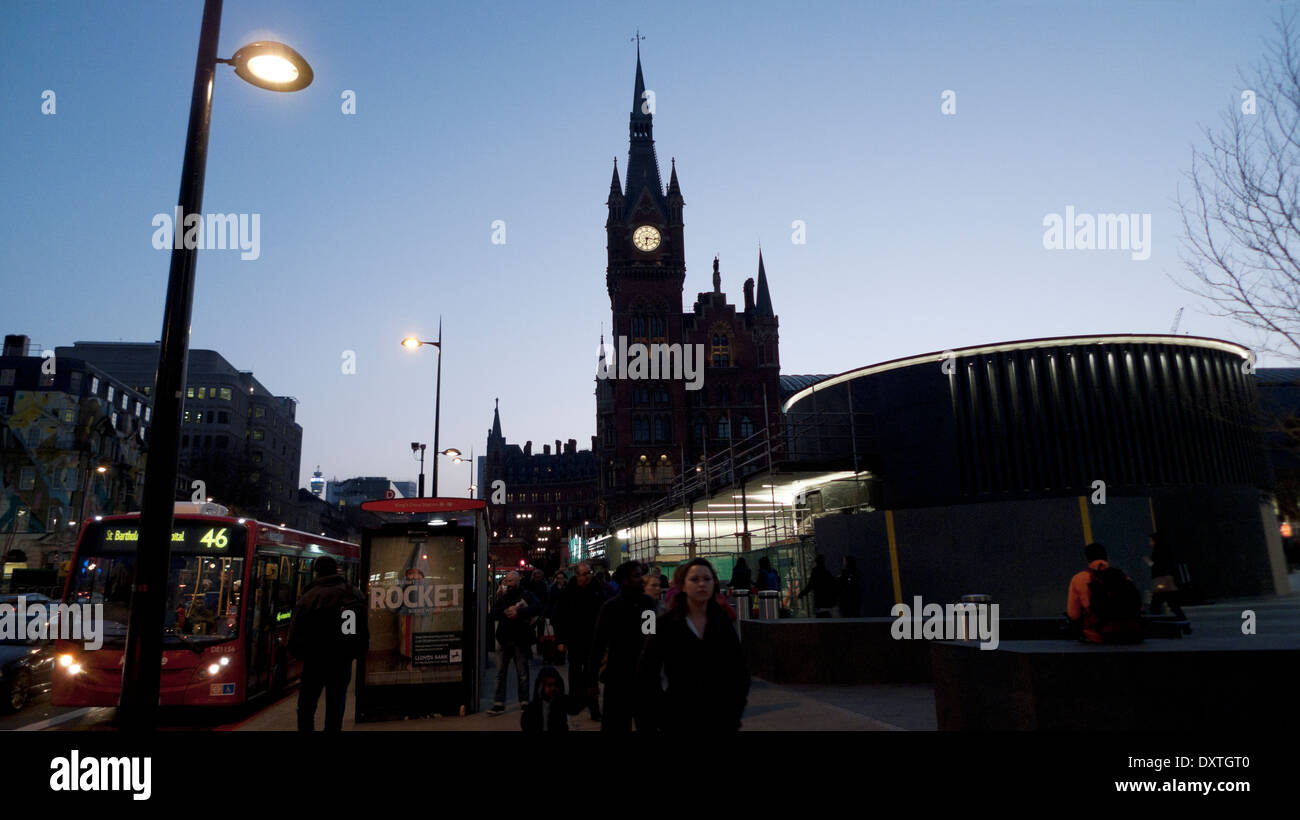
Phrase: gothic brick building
x=549 y=498
x=646 y=428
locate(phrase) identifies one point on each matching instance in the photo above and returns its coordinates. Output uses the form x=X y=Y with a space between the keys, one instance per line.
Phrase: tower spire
x=763 y=301
x=642 y=165
x=496 y=420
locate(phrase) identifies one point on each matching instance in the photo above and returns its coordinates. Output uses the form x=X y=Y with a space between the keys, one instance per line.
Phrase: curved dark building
x=995 y=464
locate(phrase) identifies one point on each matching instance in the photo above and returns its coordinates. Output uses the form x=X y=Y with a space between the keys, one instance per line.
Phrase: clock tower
x=640 y=423
x=650 y=424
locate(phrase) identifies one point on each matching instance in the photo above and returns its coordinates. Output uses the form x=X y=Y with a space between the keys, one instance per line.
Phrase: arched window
x=664 y=471
x=746 y=427
x=701 y=429
x=724 y=428
x=644 y=474
x=640 y=429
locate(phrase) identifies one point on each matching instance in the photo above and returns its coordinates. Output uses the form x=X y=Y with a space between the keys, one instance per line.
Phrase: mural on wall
x=51 y=434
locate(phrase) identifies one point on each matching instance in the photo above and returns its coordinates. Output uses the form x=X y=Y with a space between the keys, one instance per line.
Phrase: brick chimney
x=528 y=448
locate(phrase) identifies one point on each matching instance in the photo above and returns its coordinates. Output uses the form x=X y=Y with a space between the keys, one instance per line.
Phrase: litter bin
x=740 y=600
x=965 y=617
x=769 y=604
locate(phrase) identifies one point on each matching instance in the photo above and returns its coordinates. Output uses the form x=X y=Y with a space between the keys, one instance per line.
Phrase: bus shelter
x=424 y=572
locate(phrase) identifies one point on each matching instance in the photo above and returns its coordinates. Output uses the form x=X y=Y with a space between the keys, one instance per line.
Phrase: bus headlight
x=74 y=669
x=213 y=669
x=65 y=661
x=225 y=660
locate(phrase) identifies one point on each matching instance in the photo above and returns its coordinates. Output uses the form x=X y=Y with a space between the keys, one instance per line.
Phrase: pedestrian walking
x=512 y=612
x=652 y=589
x=823 y=587
x=1164 y=587
x=697 y=650
x=767 y=577
x=576 y=610
x=850 y=589
x=620 y=631
x=329 y=630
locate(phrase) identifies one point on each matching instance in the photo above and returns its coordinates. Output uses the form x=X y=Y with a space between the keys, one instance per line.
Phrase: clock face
x=646 y=238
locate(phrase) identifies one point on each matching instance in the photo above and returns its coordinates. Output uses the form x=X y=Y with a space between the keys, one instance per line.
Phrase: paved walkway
x=881 y=707
x=771 y=708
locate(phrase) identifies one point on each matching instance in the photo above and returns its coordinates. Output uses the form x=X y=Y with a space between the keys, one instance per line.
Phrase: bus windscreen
x=204 y=584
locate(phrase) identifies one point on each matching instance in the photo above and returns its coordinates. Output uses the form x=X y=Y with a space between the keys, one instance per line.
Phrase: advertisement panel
x=416 y=609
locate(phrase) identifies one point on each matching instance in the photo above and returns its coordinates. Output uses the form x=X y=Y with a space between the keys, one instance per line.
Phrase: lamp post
x=85 y=496
x=415 y=445
x=275 y=67
x=411 y=343
x=457 y=458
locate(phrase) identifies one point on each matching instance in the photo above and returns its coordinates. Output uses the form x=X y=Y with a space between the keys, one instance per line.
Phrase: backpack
x=1115 y=608
x=327 y=627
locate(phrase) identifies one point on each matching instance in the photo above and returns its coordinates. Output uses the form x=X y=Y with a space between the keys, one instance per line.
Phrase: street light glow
x=273 y=69
x=273 y=66
x=411 y=343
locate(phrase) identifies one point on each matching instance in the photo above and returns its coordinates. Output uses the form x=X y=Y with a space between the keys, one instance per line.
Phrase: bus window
x=304 y=575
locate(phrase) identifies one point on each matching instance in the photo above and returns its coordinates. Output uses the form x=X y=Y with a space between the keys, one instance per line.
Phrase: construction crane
x=1178 y=317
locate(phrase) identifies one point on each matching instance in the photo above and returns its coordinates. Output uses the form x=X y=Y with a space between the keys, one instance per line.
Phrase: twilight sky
x=923 y=231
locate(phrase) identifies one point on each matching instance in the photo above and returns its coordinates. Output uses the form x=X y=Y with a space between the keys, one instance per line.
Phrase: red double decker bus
x=231 y=590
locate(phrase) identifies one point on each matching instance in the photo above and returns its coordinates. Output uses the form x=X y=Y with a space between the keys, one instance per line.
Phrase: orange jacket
x=1080 y=594
x=1080 y=597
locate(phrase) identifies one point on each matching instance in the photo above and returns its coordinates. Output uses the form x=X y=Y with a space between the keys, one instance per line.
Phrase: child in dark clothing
x=550 y=707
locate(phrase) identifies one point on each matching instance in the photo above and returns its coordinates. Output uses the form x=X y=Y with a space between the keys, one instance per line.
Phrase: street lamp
x=267 y=65
x=411 y=343
x=457 y=458
x=85 y=496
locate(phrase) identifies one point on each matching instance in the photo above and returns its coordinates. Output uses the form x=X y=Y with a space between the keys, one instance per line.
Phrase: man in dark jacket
x=512 y=612
x=823 y=587
x=576 y=610
x=620 y=630
x=329 y=630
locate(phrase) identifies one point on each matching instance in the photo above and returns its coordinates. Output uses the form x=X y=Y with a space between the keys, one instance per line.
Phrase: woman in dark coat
x=740 y=576
x=698 y=651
